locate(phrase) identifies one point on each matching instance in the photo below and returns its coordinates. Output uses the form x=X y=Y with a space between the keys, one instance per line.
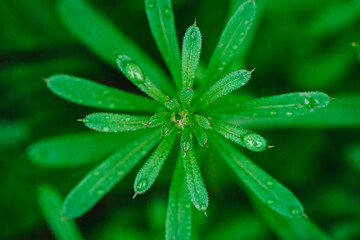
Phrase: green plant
x=197 y=104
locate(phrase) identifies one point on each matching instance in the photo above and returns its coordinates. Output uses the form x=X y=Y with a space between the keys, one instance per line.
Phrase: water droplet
x=111 y=105
x=246 y=22
x=134 y=72
x=270 y=201
x=270 y=183
x=106 y=129
x=310 y=102
x=151 y=4
x=295 y=211
x=142 y=185
x=127 y=119
x=167 y=11
x=255 y=142
x=235 y=47
x=221 y=69
x=273 y=113
x=96 y=173
x=289 y=113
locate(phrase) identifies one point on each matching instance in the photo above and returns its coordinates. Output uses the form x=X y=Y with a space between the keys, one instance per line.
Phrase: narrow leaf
x=178 y=214
x=173 y=104
x=159 y=119
x=112 y=122
x=241 y=136
x=151 y=169
x=195 y=182
x=186 y=142
x=231 y=40
x=191 y=50
x=200 y=135
x=279 y=106
x=162 y=24
x=186 y=96
x=167 y=128
x=104 y=39
x=136 y=75
x=202 y=121
x=72 y=150
x=224 y=86
x=104 y=177
x=264 y=187
x=88 y=93
x=50 y=202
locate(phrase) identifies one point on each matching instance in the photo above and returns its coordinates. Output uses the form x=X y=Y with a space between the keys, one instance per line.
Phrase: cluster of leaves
x=195 y=113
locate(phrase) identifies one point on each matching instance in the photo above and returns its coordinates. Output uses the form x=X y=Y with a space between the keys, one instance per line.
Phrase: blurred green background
x=296 y=45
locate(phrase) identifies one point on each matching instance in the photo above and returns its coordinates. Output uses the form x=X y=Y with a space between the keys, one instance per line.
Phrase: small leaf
x=224 y=86
x=104 y=39
x=167 y=128
x=159 y=119
x=241 y=136
x=186 y=96
x=231 y=41
x=178 y=213
x=162 y=24
x=200 y=135
x=279 y=106
x=202 y=121
x=173 y=104
x=191 y=50
x=76 y=149
x=88 y=93
x=104 y=177
x=186 y=139
x=195 y=182
x=50 y=202
x=151 y=169
x=113 y=123
x=264 y=187
x=136 y=75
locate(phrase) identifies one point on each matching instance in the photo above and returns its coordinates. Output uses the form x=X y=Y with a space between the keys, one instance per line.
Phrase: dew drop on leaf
x=270 y=201
x=151 y=4
x=255 y=142
x=167 y=11
x=106 y=129
x=295 y=211
x=134 y=72
x=141 y=185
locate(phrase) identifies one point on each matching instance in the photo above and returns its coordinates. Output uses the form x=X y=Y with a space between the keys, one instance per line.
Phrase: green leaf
x=151 y=169
x=159 y=119
x=104 y=39
x=186 y=142
x=264 y=187
x=136 y=75
x=173 y=104
x=356 y=46
x=104 y=177
x=88 y=93
x=178 y=214
x=242 y=136
x=186 y=96
x=224 y=86
x=230 y=41
x=167 y=128
x=286 y=105
x=289 y=228
x=162 y=24
x=50 y=202
x=202 y=121
x=195 y=182
x=113 y=123
x=191 y=50
x=200 y=135
x=72 y=150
